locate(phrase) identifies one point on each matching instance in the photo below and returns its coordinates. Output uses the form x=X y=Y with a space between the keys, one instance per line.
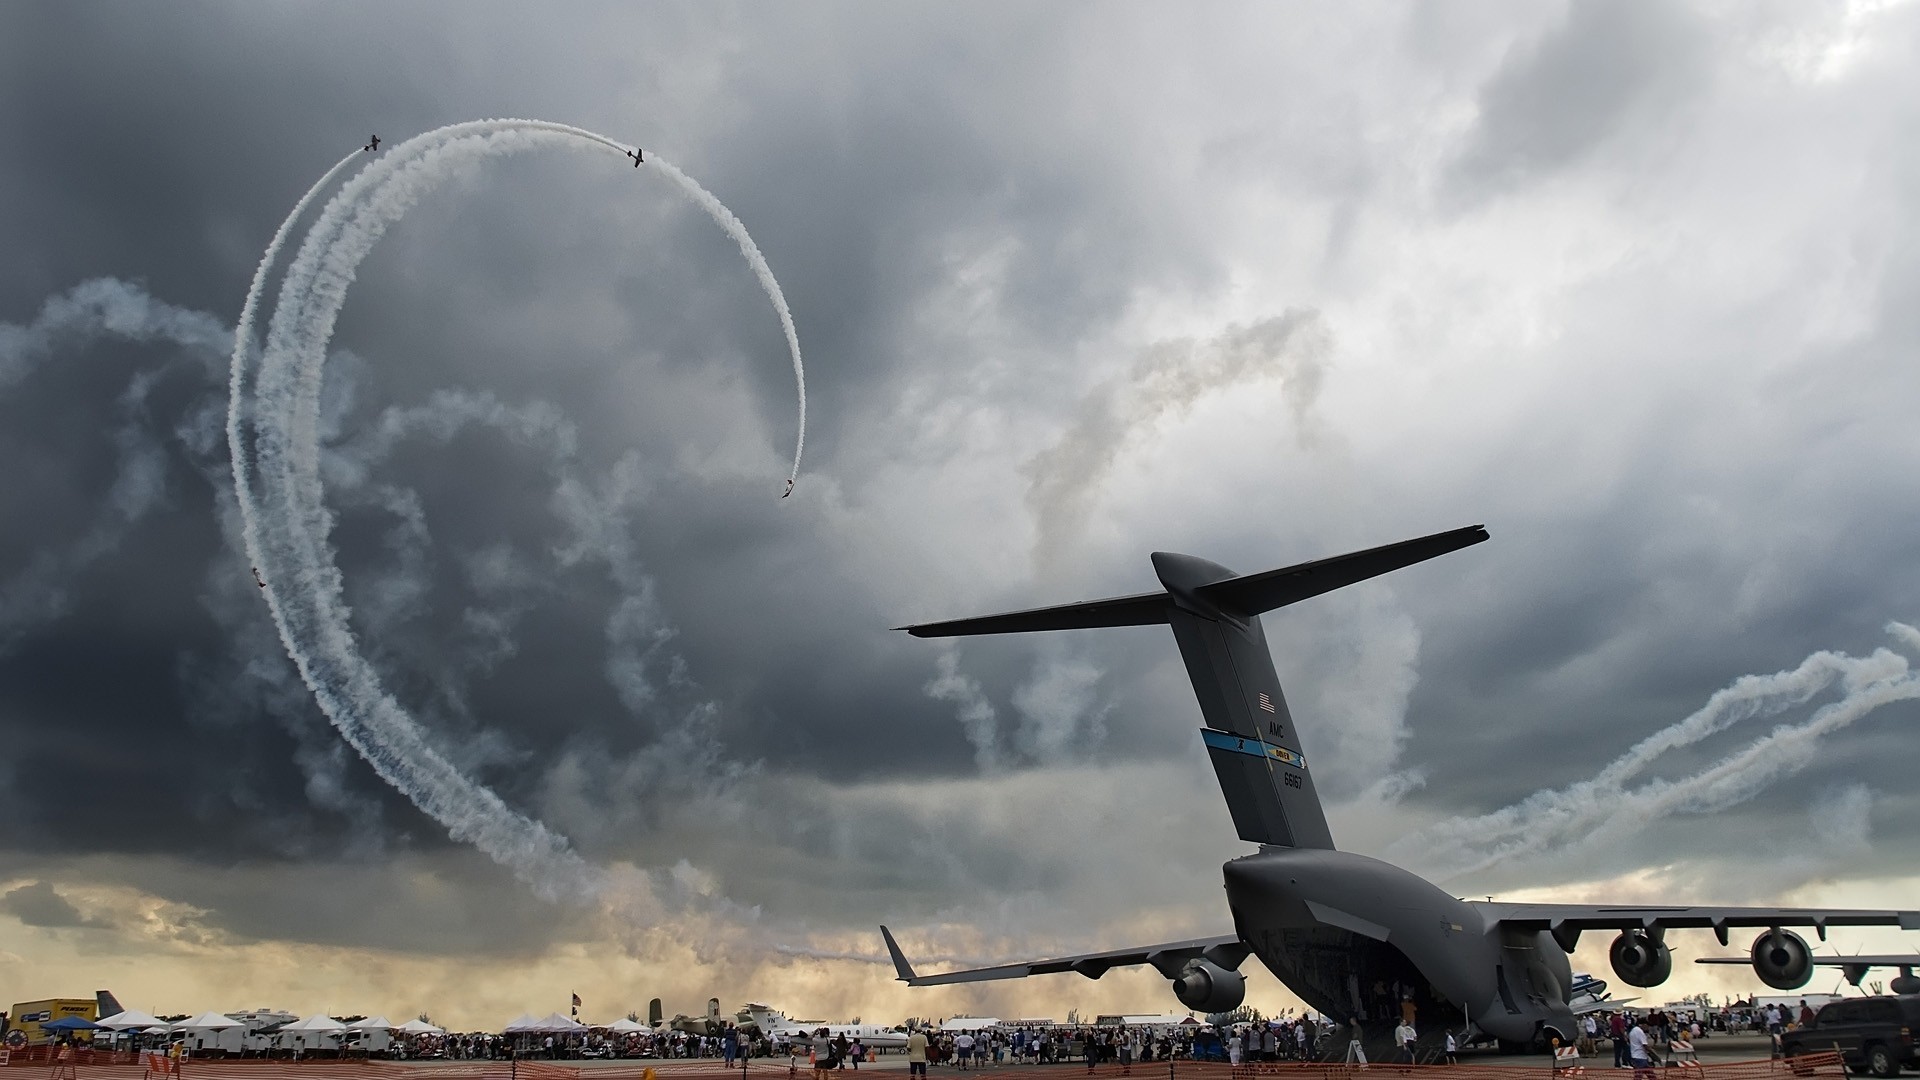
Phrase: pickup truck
x=1871 y=1034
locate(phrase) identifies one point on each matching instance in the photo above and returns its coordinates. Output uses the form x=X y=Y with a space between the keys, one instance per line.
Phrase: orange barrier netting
x=104 y=1066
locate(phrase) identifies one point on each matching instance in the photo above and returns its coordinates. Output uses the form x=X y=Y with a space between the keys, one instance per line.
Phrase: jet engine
x=1639 y=960
x=1905 y=983
x=1782 y=960
x=1206 y=987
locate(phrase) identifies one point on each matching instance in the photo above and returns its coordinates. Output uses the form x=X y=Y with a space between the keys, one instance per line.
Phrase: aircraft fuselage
x=1353 y=936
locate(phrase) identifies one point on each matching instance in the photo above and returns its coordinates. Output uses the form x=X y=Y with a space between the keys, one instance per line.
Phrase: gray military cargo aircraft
x=1336 y=927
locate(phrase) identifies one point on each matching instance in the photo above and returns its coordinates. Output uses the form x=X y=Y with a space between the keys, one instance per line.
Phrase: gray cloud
x=38 y=903
x=1672 y=373
x=1583 y=83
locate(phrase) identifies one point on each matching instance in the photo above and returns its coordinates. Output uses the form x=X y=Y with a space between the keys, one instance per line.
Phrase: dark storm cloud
x=40 y=904
x=663 y=661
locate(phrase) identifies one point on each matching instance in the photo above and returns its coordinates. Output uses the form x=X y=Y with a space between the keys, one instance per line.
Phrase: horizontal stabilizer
x=1144 y=609
x=1248 y=594
x=1251 y=594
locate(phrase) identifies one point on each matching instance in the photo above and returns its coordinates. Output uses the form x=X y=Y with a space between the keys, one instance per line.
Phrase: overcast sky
x=1637 y=285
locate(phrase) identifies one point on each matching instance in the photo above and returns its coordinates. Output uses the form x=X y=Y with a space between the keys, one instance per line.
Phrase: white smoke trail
x=1166 y=380
x=978 y=717
x=287 y=523
x=243 y=344
x=1548 y=821
x=724 y=217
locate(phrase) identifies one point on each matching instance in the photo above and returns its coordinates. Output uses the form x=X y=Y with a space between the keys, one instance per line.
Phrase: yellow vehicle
x=27 y=1016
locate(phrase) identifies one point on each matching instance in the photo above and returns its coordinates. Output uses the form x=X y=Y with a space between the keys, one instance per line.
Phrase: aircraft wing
x=1566 y=921
x=1167 y=958
x=1609 y=1004
x=1902 y=960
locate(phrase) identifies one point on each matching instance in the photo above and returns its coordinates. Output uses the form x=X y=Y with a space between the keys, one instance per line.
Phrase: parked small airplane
x=372 y=146
x=772 y=1023
x=710 y=1024
x=1588 y=994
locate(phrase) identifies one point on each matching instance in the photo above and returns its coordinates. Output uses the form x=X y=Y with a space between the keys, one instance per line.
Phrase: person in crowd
x=917 y=1053
x=1638 y=1052
x=1403 y=1038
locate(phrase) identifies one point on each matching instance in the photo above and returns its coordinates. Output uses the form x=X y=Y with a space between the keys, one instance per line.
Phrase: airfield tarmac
x=1714 y=1049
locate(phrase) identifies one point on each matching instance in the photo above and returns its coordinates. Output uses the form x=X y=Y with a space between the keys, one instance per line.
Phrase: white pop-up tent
x=525 y=1022
x=556 y=1022
x=129 y=1019
x=627 y=1026
x=211 y=1032
x=374 y=1034
x=421 y=1027
x=317 y=1032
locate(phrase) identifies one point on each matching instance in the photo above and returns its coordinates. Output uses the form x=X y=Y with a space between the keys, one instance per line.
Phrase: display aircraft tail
x=1214 y=614
x=654 y=1013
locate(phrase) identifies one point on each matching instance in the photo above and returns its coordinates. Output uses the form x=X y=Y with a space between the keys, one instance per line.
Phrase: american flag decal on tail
x=1266 y=703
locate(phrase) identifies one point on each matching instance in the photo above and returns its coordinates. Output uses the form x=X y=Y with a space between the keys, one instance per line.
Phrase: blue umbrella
x=70 y=1023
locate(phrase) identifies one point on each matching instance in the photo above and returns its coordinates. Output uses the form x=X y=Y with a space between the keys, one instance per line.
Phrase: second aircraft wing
x=1566 y=921
x=1168 y=959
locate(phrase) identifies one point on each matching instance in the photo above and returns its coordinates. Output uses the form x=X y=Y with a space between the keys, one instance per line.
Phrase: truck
x=1871 y=1034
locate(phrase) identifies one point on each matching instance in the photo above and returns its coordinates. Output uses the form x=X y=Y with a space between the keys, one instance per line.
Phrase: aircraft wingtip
x=901 y=969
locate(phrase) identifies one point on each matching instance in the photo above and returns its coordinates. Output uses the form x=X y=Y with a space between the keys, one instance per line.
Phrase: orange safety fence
x=89 y=1065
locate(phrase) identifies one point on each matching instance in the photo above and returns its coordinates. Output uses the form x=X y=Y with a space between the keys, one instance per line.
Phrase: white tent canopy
x=556 y=1022
x=378 y=1023
x=157 y=1029
x=130 y=1018
x=526 y=1022
x=317 y=1024
x=421 y=1027
x=211 y=1022
x=626 y=1025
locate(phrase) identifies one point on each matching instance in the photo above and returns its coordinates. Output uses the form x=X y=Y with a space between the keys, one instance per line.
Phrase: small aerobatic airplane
x=789 y=490
x=1853 y=967
x=257 y=580
x=373 y=145
x=637 y=155
x=1331 y=923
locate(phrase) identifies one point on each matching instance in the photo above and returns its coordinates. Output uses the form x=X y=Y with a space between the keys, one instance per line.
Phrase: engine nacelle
x=1905 y=984
x=1782 y=960
x=1206 y=987
x=1639 y=960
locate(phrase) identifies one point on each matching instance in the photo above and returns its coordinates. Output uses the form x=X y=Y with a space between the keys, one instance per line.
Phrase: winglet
x=900 y=966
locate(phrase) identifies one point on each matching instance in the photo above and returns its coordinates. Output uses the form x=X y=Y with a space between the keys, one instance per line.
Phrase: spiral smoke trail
x=285 y=522
x=243 y=344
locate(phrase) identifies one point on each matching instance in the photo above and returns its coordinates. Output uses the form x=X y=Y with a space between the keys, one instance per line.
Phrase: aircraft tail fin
x=106 y=1003
x=654 y=1014
x=1215 y=616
